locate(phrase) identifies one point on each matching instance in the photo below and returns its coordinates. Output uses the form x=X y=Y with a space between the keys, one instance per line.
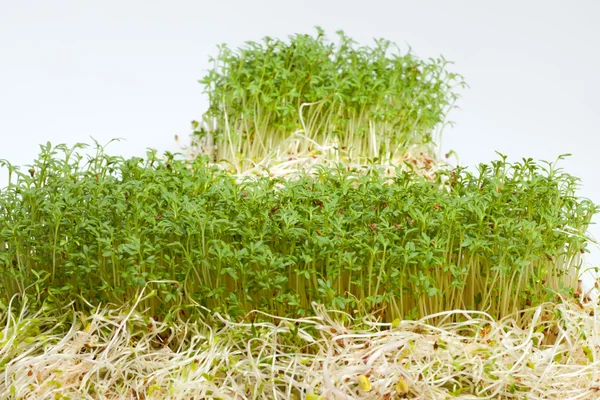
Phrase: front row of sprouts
x=124 y=354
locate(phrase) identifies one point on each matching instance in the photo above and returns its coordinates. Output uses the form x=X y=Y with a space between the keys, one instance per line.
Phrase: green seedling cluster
x=505 y=238
x=371 y=102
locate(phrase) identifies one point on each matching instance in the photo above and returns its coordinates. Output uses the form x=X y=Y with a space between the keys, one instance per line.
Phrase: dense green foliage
x=499 y=239
x=371 y=101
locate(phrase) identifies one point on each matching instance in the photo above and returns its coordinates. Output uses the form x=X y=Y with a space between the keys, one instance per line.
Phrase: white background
x=74 y=69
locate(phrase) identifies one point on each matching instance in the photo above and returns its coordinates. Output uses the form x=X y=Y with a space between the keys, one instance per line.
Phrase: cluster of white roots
x=121 y=354
x=300 y=154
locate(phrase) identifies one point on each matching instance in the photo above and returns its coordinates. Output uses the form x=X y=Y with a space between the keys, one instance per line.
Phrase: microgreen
x=370 y=102
x=476 y=357
x=507 y=237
